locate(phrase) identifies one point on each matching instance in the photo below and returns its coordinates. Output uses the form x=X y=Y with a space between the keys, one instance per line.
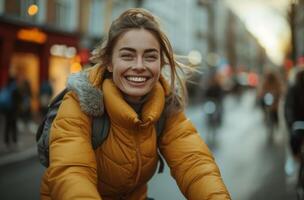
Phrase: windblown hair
x=138 y=18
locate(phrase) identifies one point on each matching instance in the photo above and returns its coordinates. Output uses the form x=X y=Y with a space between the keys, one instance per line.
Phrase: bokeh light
x=32 y=10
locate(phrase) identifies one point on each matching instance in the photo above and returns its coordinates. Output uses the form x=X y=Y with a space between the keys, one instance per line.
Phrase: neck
x=136 y=104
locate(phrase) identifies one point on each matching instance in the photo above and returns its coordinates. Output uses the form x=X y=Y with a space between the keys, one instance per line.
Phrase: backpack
x=100 y=128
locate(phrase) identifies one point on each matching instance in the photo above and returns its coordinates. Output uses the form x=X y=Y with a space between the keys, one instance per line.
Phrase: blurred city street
x=245 y=96
x=252 y=168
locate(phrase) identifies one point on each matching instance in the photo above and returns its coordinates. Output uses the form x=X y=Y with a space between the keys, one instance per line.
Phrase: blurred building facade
x=52 y=38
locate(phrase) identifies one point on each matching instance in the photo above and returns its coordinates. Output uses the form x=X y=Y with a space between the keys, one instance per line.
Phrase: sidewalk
x=25 y=148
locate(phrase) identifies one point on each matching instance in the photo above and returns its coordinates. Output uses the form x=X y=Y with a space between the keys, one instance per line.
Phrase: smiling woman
x=126 y=84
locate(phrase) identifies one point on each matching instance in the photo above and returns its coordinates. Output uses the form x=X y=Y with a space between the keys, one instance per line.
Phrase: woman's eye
x=127 y=56
x=151 y=58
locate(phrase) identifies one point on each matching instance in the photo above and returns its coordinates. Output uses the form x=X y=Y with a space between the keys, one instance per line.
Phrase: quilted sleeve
x=191 y=163
x=72 y=170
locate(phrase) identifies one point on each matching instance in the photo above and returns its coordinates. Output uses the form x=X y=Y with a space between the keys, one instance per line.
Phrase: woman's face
x=136 y=63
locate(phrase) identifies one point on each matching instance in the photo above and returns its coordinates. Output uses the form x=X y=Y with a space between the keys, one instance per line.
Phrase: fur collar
x=90 y=98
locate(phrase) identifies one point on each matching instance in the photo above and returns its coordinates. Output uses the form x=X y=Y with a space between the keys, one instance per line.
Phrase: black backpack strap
x=43 y=132
x=161 y=163
x=58 y=98
x=100 y=129
x=160 y=125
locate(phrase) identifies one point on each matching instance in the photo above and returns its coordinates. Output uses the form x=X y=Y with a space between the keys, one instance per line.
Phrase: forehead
x=138 y=39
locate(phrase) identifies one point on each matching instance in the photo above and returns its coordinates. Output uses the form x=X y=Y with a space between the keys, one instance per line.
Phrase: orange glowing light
x=32 y=9
x=32 y=35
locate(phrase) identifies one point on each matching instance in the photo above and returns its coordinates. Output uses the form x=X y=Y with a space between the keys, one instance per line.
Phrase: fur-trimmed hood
x=90 y=97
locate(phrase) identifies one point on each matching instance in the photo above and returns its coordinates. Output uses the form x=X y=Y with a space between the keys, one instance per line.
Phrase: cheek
x=156 y=69
x=118 y=67
x=117 y=74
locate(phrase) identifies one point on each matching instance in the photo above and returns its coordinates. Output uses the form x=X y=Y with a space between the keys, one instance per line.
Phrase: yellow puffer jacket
x=122 y=165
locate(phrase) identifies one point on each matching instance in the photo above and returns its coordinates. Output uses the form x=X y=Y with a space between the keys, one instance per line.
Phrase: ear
x=110 y=68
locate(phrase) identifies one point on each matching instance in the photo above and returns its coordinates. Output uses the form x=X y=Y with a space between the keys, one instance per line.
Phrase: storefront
x=38 y=54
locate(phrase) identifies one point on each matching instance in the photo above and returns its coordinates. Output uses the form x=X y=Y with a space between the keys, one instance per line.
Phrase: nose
x=139 y=65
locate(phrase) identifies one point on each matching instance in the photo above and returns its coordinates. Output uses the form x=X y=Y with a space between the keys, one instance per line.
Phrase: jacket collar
x=121 y=112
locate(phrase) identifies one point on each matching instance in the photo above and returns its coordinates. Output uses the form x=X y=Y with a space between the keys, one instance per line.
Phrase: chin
x=137 y=94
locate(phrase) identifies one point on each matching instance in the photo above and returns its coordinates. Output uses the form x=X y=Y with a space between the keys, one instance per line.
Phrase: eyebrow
x=133 y=50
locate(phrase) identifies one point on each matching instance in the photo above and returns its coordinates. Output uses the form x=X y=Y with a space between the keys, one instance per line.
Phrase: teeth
x=136 y=78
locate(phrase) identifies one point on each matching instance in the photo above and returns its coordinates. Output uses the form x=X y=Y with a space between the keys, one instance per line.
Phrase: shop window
x=26 y=66
x=59 y=70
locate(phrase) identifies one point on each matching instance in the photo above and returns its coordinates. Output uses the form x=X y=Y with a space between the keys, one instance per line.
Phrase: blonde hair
x=137 y=18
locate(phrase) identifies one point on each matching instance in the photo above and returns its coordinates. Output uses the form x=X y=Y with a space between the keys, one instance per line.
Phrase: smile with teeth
x=137 y=79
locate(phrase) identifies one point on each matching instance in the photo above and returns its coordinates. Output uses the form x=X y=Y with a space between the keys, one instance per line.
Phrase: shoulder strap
x=52 y=112
x=160 y=125
x=58 y=98
x=43 y=131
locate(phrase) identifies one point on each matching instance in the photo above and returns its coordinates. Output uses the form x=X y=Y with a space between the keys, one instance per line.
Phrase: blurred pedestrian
x=237 y=88
x=24 y=87
x=45 y=95
x=213 y=106
x=127 y=83
x=11 y=100
x=294 y=113
x=215 y=93
x=268 y=96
